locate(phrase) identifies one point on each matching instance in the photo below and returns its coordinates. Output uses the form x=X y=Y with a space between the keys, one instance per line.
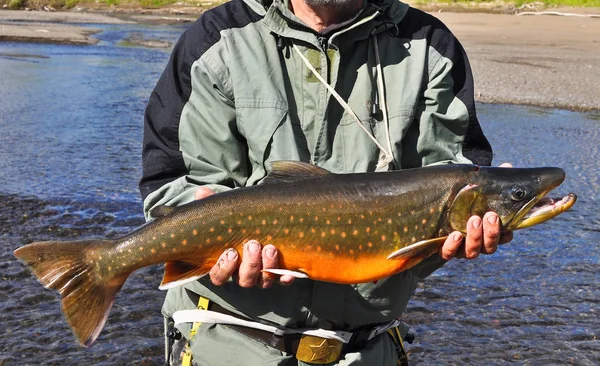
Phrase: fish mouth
x=543 y=210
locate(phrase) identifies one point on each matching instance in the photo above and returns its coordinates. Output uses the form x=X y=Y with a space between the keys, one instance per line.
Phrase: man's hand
x=483 y=236
x=248 y=273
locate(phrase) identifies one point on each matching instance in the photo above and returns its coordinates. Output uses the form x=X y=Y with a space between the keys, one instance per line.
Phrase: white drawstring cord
x=386 y=156
x=382 y=102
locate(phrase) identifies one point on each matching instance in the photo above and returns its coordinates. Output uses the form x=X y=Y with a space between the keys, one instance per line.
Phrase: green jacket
x=235 y=97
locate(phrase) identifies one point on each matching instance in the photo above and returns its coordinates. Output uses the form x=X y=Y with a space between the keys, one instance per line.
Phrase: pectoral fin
x=282 y=272
x=417 y=252
x=178 y=273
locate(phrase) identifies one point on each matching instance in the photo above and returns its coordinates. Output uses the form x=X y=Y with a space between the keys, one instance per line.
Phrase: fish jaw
x=544 y=210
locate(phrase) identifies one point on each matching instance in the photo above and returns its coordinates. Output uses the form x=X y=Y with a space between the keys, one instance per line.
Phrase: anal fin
x=417 y=252
x=178 y=273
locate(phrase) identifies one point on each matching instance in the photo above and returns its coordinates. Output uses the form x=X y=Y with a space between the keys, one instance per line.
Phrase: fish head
x=517 y=195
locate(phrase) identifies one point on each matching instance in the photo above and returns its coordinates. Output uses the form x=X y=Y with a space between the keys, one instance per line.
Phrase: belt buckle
x=317 y=350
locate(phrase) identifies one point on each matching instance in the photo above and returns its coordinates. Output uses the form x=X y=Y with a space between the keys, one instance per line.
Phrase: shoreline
x=539 y=60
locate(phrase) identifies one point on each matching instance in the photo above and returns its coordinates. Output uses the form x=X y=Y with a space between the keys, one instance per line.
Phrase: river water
x=71 y=123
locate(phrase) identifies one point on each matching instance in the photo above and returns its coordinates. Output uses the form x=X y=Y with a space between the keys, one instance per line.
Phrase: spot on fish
x=250 y=217
x=368 y=229
x=362 y=216
x=109 y=268
x=100 y=258
x=208 y=241
x=324 y=209
x=212 y=229
x=128 y=250
x=153 y=250
x=316 y=218
x=332 y=232
x=355 y=232
x=312 y=230
x=239 y=222
x=230 y=230
x=382 y=237
x=219 y=238
x=337 y=247
x=412 y=212
x=174 y=250
x=349 y=221
x=172 y=235
x=141 y=249
x=379 y=219
x=370 y=245
x=424 y=221
x=269 y=237
x=323 y=234
x=351 y=251
x=389 y=221
x=413 y=239
x=195 y=232
x=301 y=219
x=184 y=242
x=405 y=229
x=123 y=264
x=360 y=247
x=154 y=238
x=343 y=234
x=243 y=231
x=339 y=218
x=264 y=222
x=163 y=244
x=318 y=249
x=222 y=222
x=431 y=210
x=399 y=214
x=275 y=222
x=301 y=235
x=286 y=230
x=328 y=222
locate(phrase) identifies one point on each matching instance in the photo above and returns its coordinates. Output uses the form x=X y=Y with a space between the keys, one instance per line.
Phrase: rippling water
x=71 y=123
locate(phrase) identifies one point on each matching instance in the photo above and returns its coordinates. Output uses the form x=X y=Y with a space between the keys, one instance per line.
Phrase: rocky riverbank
x=544 y=60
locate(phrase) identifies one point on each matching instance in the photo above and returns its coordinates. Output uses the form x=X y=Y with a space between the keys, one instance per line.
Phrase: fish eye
x=517 y=193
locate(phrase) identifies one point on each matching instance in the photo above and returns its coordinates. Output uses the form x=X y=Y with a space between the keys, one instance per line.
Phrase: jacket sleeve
x=449 y=131
x=190 y=136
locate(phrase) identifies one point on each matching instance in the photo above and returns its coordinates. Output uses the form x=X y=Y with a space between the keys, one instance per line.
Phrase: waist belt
x=317 y=346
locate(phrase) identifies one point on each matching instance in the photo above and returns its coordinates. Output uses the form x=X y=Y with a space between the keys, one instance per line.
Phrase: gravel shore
x=544 y=60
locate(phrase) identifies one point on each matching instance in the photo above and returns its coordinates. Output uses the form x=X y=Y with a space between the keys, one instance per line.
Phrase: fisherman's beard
x=330 y=3
x=343 y=9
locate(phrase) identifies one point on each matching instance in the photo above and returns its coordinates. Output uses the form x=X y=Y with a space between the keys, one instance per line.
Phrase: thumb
x=203 y=192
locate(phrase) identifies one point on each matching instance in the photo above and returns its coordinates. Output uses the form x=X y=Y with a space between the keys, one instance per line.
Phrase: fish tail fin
x=86 y=297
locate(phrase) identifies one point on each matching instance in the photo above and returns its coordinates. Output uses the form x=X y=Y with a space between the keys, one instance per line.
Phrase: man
x=348 y=85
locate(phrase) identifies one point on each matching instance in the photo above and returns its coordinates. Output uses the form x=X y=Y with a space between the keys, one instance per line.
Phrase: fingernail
x=477 y=223
x=492 y=219
x=457 y=237
x=231 y=254
x=270 y=252
x=253 y=246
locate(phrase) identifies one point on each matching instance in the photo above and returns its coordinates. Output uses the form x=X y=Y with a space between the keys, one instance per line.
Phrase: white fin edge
x=286 y=272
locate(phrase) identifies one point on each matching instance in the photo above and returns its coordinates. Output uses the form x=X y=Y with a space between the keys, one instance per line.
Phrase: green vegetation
x=517 y=3
x=205 y=4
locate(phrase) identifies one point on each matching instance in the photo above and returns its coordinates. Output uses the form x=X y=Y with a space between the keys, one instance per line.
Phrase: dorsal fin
x=161 y=210
x=292 y=171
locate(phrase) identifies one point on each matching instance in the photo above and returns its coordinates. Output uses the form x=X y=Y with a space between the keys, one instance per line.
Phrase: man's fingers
x=474 y=237
x=251 y=266
x=491 y=233
x=225 y=267
x=270 y=259
x=505 y=165
x=203 y=192
x=451 y=246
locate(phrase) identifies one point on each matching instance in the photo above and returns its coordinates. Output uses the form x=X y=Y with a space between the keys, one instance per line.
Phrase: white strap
x=387 y=156
x=213 y=317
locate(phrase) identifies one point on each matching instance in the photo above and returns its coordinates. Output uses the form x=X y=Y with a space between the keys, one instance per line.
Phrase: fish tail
x=86 y=297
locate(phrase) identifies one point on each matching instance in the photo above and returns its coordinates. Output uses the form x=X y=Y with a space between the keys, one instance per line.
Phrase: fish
x=341 y=228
